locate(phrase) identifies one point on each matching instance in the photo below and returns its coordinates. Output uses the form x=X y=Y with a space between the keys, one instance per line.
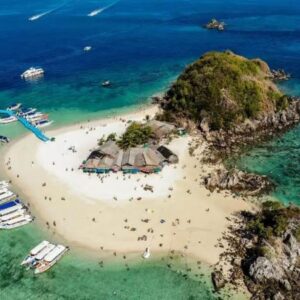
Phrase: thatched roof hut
x=161 y=129
x=110 y=148
x=110 y=157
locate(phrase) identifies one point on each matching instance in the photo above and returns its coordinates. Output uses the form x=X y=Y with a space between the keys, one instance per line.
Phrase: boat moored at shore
x=45 y=255
x=16 y=222
x=51 y=259
x=34 y=252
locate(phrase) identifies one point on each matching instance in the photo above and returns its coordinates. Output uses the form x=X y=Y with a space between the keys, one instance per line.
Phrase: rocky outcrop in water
x=279 y=75
x=237 y=181
x=218 y=280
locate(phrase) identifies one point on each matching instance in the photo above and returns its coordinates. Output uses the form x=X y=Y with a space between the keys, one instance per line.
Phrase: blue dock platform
x=36 y=131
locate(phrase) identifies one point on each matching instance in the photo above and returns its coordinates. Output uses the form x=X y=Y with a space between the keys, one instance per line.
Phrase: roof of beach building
x=119 y=158
x=110 y=148
x=139 y=160
x=106 y=162
x=151 y=157
x=141 y=157
x=91 y=163
x=161 y=129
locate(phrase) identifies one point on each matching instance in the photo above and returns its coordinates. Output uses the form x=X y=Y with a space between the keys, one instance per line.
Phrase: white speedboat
x=147 y=253
x=14 y=106
x=32 y=73
x=34 y=252
x=87 y=48
x=8 y=120
x=50 y=259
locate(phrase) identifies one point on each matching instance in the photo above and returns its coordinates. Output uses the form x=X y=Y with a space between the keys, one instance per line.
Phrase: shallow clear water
x=76 y=277
x=141 y=46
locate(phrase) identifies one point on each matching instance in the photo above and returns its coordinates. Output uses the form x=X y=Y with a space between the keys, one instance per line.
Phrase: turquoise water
x=140 y=46
x=278 y=158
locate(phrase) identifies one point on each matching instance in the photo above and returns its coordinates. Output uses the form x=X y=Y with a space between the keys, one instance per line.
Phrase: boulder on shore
x=218 y=280
x=237 y=181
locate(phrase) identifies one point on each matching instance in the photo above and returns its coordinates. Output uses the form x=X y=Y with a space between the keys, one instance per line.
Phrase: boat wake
x=100 y=10
x=36 y=17
x=95 y=12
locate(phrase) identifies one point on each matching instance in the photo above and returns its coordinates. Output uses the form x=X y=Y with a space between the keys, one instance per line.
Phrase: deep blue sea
x=141 y=46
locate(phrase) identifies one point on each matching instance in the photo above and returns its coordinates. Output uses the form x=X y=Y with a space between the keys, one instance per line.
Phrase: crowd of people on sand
x=172 y=254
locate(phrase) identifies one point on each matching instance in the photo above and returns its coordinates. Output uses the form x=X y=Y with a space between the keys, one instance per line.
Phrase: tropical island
x=167 y=191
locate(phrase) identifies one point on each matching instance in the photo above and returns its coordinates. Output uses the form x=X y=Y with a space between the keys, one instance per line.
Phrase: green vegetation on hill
x=273 y=220
x=223 y=88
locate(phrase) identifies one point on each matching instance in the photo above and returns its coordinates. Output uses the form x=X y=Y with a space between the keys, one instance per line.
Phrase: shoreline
x=196 y=238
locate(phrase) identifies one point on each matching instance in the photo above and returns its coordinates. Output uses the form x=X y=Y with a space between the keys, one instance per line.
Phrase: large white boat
x=34 y=252
x=8 y=120
x=5 y=194
x=16 y=222
x=32 y=72
x=50 y=259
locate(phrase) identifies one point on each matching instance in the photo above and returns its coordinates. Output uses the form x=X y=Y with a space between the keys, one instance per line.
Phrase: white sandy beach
x=114 y=212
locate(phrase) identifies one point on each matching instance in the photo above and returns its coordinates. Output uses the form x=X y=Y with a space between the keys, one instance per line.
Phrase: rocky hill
x=221 y=90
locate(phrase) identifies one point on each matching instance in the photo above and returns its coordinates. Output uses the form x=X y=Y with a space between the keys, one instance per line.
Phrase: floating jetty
x=25 y=121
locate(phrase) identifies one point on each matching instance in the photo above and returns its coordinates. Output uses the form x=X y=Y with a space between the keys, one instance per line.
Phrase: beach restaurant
x=109 y=157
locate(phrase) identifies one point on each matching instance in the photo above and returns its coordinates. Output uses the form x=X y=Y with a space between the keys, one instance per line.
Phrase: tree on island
x=136 y=134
